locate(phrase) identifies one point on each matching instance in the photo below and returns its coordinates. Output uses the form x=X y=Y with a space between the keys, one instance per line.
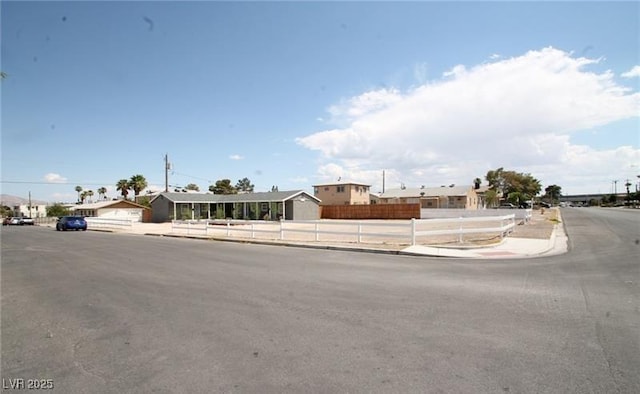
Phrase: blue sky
x=298 y=93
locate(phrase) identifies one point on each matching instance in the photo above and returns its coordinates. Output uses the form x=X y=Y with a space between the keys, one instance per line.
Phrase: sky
x=292 y=94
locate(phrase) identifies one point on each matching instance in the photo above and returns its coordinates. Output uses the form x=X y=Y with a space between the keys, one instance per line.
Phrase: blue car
x=71 y=223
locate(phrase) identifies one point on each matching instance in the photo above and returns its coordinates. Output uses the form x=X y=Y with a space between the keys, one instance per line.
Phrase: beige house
x=450 y=197
x=342 y=193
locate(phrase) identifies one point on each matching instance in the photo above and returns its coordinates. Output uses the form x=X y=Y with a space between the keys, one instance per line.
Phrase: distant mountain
x=10 y=201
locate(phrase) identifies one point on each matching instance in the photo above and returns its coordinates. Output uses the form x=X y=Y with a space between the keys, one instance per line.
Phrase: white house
x=117 y=209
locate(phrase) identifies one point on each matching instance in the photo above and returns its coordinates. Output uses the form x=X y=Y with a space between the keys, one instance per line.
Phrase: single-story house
x=451 y=197
x=115 y=209
x=288 y=205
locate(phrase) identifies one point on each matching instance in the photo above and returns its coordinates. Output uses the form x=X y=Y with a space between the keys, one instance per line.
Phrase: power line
x=62 y=183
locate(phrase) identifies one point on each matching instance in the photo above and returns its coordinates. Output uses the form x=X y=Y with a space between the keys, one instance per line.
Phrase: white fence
x=400 y=231
x=441 y=213
x=109 y=223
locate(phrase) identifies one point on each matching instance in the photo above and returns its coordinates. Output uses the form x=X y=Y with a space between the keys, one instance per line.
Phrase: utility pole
x=382 y=181
x=166 y=172
x=30 y=204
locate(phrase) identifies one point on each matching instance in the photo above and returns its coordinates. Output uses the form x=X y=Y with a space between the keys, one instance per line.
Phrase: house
x=30 y=210
x=452 y=197
x=288 y=205
x=116 y=209
x=342 y=193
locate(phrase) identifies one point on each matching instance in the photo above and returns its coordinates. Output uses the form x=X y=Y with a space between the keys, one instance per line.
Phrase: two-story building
x=342 y=193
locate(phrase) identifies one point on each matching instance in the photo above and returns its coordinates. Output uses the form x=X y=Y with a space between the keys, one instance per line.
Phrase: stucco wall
x=305 y=210
x=161 y=209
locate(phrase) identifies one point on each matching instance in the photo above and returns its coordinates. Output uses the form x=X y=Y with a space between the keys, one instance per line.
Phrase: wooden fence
x=373 y=211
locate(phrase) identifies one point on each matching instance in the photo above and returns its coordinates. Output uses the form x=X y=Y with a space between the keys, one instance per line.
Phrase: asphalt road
x=114 y=313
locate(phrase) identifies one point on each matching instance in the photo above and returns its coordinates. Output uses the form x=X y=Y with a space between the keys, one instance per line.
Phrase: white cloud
x=516 y=113
x=54 y=178
x=236 y=157
x=634 y=72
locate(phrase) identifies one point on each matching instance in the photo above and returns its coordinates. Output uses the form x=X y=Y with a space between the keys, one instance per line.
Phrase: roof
x=106 y=204
x=243 y=197
x=339 y=183
x=444 y=191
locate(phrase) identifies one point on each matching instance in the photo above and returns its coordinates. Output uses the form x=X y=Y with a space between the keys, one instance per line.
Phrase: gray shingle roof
x=243 y=197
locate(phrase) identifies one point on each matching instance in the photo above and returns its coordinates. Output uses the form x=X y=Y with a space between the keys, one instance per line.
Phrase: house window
x=340 y=189
x=326 y=189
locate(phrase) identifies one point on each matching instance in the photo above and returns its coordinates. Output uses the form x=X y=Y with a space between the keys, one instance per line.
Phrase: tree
x=145 y=201
x=476 y=183
x=507 y=182
x=223 y=186
x=244 y=185
x=83 y=196
x=5 y=211
x=491 y=198
x=89 y=194
x=137 y=183
x=274 y=188
x=57 y=209
x=78 y=189
x=553 y=192
x=102 y=193
x=192 y=186
x=123 y=187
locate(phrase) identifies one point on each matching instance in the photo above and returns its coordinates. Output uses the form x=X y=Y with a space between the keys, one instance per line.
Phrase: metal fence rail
x=109 y=222
x=344 y=230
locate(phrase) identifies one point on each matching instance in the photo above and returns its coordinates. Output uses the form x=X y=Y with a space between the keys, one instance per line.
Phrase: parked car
x=545 y=204
x=12 y=221
x=28 y=221
x=507 y=205
x=71 y=223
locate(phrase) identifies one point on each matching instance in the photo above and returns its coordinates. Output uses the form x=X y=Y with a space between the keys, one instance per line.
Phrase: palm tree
x=78 y=189
x=82 y=197
x=123 y=186
x=89 y=195
x=137 y=183
x=476 y=183
x=102 y=193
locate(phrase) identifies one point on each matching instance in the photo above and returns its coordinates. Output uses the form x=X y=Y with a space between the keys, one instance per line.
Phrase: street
x=116 y=313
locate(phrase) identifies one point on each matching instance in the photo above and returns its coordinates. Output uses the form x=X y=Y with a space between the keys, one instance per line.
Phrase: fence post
x=317 y=228
x=228 y=228
x=413 y=231
x=281 y=231
x=206 y=228
x=359 y=232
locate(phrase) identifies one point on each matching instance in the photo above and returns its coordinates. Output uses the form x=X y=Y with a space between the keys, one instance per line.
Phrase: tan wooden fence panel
x=373 y=211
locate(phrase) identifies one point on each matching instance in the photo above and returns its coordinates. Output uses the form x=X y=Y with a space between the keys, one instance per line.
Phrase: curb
x=292 y=245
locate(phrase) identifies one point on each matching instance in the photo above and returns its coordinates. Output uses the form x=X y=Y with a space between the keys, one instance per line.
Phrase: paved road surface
x=117 y=313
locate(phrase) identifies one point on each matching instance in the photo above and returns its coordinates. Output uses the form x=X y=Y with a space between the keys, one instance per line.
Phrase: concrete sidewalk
x=509 y=248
